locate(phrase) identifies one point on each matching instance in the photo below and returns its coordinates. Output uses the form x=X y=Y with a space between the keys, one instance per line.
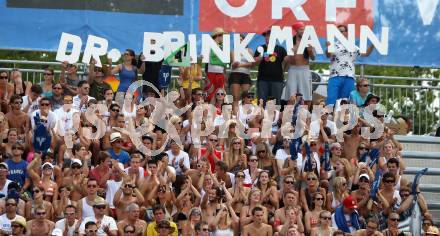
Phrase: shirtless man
x=351 y=144
x=362 y=194
x=211 y=201
x=389 y=192
x=300 y=77
x=150 y=182
x=124 y=197
x=17 y=118
x=77 y=180
x=40 y=225
x=198 y=175
x=132 y=218
x=290 y=199
x=257 y=227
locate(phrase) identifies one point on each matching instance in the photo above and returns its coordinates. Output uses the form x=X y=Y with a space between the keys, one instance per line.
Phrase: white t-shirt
x=112 y=188
x=4 y=190
x=64 y=120
x=62 y=223
x=281 y=155
x=5 y=223
x=347 y=218
x=315 y=128
x=106 y=221
x=35 y=105
x=51 y=119
x=77 y=102
x=182 y=155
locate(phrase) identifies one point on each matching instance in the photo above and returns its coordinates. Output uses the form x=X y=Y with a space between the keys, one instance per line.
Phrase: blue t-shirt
x=123 y=156
x=356 y=98
x=17 y=171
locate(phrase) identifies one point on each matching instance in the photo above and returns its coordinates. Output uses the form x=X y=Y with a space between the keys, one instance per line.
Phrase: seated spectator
x=106 y=224
x=360 y=94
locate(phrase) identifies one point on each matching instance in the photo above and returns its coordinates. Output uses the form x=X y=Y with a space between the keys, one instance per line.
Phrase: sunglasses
x=3 y=77
x=205 y=230
x=76 y=167
x=69 y=213
x=319 y=199
x=16 y=226
x=250 y=96
x=220 y=94
x=326 y=217
x=92 y=186
x=17 y=148
x=253 y=160
x=40 y=213
x=262 y=151
x=101 y=207
x=92 y=230
x=18 y=103
x=44 y=104
x=393 y=219
x=48 y=74
x=363 y=148
x=199 y=94
x=37 y=190
x=129 y=186
x=312 y=144
x=115 y=110
x=57 y=88
x=389 y=181
x=364 y=85
x=289 y=182
x=236 y=143
x=240 y=176
x=213 y=140
x=11 y=204
x=311 y=179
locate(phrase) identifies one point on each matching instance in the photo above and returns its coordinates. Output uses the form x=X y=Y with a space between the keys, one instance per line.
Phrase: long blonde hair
x=338 y=182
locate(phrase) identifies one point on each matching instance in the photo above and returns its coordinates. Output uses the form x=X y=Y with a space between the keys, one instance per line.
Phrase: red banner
x=260 y=18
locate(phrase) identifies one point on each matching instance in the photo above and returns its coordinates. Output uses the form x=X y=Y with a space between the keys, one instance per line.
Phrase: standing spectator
x=240 y=79
x=270 y=77
x=360 y=94
x=86 y=204
x=300 y=77
x=126 y=198
x=21 y=87
x=342 y=70
x=151 y=73
x=70 y=82
x=48 y=82
x=10 y=215
x=215 y=76
x=128 y=71
x=98 y=86
x=6 y=91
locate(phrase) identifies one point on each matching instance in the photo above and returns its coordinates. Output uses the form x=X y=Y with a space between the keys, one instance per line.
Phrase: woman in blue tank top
x=127 y=70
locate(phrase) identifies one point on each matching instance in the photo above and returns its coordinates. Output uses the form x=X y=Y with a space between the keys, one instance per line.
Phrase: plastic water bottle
x=389 y=117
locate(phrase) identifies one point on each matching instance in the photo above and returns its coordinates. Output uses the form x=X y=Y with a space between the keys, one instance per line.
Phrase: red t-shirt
x=211 y=160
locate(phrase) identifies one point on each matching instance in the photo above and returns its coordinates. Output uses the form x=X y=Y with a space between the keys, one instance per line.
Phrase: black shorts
x=239 y=78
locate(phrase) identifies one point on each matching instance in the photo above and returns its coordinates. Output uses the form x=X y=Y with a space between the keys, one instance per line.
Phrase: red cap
x=350 y=203
x=298 y=25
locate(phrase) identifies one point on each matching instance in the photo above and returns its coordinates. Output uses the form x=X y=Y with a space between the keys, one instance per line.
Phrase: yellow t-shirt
x=151 y=229
x=193 y=71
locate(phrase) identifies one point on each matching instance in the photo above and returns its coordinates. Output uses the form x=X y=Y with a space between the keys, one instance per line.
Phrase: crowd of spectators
x=57 y=178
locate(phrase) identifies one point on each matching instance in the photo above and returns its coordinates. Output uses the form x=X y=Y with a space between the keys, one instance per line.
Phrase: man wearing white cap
x=116 y=150
x=4 y=182
x=106 y=224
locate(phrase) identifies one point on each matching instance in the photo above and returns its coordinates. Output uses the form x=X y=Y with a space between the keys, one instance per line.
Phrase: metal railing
x=407 y=96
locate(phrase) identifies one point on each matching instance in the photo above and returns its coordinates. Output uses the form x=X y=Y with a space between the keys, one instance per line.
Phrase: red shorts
x=214 y=81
